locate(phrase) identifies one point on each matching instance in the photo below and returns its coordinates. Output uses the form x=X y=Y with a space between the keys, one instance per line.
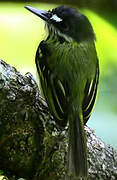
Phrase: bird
x=68 y=69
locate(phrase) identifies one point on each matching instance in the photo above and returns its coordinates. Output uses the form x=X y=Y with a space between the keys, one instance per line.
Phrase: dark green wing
x=53 y=88
x=90 y=96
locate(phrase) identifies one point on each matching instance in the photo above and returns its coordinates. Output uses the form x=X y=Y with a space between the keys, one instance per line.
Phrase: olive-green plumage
x=68 y=69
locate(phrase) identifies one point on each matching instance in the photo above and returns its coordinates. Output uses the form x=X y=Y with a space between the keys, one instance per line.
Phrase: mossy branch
x=31 y=144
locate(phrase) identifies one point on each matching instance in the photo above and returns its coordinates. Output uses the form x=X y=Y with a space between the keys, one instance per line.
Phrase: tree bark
x=31 y=145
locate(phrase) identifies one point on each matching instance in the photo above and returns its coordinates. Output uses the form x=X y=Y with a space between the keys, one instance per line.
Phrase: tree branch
x=31 y=144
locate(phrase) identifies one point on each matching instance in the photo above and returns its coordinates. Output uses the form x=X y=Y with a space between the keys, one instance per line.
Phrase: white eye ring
x=56 y=18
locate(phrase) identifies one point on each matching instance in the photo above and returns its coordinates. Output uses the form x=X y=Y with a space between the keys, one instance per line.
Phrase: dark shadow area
x=109 y=15
x=97 y=4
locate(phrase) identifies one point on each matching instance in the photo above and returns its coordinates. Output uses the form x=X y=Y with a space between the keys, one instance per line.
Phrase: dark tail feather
x=77 y=163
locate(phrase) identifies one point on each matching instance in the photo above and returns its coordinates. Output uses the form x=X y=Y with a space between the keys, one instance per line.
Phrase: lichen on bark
x=31 y=144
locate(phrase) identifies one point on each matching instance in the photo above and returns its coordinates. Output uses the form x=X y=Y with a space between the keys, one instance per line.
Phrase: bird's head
x=66 y=22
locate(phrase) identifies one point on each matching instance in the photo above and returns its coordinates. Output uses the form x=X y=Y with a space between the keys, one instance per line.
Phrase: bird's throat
x=55 y=33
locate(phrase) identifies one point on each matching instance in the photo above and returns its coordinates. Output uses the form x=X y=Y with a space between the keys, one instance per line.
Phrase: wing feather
x=90 y=96
x=53 y=89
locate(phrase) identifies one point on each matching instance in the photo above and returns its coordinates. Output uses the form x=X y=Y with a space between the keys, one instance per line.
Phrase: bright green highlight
x=20 y=35
x=21 y=32
x=106 y=38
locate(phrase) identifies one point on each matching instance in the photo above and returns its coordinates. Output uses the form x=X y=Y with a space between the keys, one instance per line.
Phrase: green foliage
x=1 y=172
x=106 y=34
x=21 y=32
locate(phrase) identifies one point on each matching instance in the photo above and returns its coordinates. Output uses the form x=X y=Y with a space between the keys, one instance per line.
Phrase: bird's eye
x=64 y=26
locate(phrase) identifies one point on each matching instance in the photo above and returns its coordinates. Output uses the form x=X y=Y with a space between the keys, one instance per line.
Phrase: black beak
x=41 y=13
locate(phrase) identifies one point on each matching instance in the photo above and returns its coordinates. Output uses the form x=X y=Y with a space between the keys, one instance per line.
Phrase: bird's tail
x=77 y=155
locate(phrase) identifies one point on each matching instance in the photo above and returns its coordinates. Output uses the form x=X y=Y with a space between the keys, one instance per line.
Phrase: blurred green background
x=21 y=32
